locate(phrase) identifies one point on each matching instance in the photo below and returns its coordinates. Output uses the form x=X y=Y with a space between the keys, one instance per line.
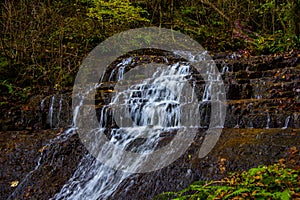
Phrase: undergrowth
x=264 y=182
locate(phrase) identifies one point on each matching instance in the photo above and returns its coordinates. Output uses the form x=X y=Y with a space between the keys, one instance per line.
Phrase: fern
x=263 y=182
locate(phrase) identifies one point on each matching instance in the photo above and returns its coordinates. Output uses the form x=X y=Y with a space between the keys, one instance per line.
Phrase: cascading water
x=121 y=68
x=51 y=111
x=286 y=123
x=225 y=68
x=268 y=121
x=157 y=106
x=93 y=180
x=55 y=111
x=59 y=111
x=154 y=107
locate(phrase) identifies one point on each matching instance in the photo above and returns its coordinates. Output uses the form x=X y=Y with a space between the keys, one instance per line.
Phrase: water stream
x=154 y=108
x=286 y=123
x=51 y=111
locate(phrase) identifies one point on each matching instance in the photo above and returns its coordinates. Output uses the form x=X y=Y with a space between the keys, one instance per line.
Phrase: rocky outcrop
x=263 y=92
x=35 y=164
x=262 y=126
x=41 y=166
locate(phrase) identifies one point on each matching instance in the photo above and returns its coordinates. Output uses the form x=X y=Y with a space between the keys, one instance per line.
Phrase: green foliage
x=278 y=30
x=16 y=93
x=117 y=13
x=8 y=86
x=263 y=182
x=280 y=15
x=46 y=46
x=277 y=42
x=213 y=23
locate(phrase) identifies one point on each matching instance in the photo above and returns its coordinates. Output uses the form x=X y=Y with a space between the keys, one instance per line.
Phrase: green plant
x=8 y=86
x=14 y=92
x=277 y=42
x=263 y=182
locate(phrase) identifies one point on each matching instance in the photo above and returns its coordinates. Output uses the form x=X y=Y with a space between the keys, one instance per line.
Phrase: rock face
x=236 y=150
x=262 y=126
x=261 y=92
x=39 y=161
x=40 y=112
x=19 y=155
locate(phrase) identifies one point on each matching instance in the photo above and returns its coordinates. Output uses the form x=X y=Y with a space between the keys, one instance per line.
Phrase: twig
x=215 y=8
x=214 y=183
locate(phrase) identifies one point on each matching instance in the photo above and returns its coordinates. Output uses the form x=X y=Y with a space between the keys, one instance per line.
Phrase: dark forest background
x=43 y=42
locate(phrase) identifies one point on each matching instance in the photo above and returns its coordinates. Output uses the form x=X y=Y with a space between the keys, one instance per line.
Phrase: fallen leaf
x=27 y=191
x=42 y=149
x=14 y=183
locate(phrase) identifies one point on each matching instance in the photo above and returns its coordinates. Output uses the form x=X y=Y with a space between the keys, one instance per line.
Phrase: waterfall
x=148 y=107
x=268 y=121
x=111 y=75
x=51 y=111
x=154 y=107
x=56 y=109
x=59 y=110
x=42 y=105
x=286 y=123
x=225 y=68
x=121 y=69
x=207 y=93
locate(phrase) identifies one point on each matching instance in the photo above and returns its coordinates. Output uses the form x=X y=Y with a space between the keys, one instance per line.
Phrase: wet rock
x=236 y=150
x=42 y=161
x=19 y=154
x=39 y=113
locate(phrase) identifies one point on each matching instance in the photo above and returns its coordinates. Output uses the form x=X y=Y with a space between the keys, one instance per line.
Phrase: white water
x=268 y=121
x=286 y=123
x=58 y=111
x=42 y=105
x=51 y=109
x=225 y=69
x=57 y=140
x=153 y=105
x=121 y=68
